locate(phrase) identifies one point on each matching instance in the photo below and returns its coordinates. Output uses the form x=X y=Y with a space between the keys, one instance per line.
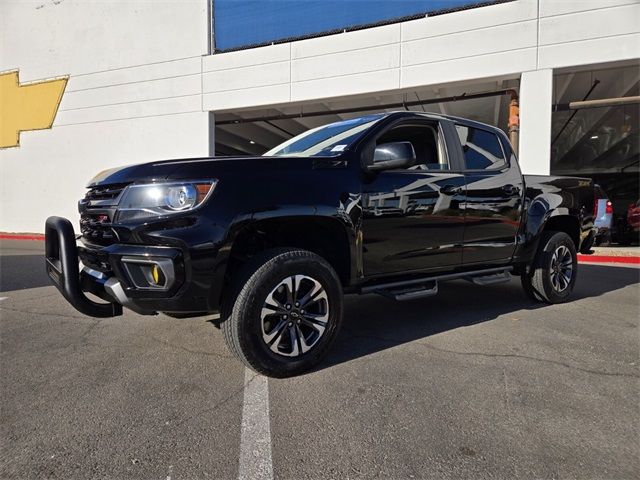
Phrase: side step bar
x=428 y=286
x=412 y=293
x=491 y=279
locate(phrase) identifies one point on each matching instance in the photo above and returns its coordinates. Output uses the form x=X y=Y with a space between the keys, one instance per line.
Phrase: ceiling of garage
x=581 y=139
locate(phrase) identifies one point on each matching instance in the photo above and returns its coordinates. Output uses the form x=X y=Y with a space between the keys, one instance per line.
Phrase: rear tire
x=283 y=312
x=554 y=270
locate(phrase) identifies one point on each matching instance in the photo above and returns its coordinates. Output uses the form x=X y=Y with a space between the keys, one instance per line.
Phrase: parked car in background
x=603 y=210
x=633 y=222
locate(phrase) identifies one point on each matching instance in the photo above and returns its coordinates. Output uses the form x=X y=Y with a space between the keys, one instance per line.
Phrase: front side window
x=328 y=140
x=426 y=145
x=481 y=148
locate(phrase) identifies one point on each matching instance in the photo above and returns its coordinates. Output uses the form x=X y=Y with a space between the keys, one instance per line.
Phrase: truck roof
x=439 y=116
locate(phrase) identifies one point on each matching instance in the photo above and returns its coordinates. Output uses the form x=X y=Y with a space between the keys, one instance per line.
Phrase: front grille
x=106 y=195
x=96 y=228
x=97 y=212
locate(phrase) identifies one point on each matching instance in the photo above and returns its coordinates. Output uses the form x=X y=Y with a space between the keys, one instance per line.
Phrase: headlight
x=155 y=199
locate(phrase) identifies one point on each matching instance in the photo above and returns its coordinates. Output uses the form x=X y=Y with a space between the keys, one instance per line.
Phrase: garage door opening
x=601 y=141
x=255 y=131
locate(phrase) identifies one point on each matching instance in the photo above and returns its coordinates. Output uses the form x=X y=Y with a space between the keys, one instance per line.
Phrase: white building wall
x=576 y=32
x=141 y=83
x=455 y=47
x=133 y=95
x=497 y=41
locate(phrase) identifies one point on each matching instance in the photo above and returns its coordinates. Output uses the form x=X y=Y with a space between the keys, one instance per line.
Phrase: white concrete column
x=536 y=96
x=211 y=121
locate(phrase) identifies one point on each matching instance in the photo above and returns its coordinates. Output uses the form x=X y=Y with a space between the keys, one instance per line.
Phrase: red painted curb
x=18 y=236
x=608 y=259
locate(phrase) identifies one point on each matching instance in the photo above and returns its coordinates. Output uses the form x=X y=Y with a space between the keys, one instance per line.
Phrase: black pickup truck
x=390 y=204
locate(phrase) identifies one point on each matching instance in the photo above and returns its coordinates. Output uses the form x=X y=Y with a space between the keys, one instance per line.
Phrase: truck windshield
x=327 y=140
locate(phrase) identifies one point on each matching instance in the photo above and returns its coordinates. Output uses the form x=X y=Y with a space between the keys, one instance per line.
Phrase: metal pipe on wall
x=604 y=102
x=514 y=120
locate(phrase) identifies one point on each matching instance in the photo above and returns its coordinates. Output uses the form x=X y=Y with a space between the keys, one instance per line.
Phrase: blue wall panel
x=242 y=23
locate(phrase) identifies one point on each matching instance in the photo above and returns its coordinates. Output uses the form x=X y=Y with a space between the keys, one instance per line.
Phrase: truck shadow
x=373 y=323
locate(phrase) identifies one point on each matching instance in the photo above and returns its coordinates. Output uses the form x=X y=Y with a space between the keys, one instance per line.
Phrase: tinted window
x=481 y=148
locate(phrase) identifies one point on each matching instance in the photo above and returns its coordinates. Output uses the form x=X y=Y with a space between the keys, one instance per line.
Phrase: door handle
x=511 y=190
x=450 y=190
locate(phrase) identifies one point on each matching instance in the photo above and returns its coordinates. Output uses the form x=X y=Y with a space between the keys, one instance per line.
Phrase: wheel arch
x=325 y=236
x=540 y=218
x=563 y=222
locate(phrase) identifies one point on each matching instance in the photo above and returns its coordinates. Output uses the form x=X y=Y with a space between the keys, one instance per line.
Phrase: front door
x=412 y=218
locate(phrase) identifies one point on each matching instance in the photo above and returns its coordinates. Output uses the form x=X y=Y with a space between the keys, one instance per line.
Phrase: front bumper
x=145 y=279
x=61 y=258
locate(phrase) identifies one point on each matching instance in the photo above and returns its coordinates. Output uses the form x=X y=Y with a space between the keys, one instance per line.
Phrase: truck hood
x=199 y=168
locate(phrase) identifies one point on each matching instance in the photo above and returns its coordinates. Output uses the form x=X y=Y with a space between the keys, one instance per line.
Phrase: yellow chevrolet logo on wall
x=30 y=106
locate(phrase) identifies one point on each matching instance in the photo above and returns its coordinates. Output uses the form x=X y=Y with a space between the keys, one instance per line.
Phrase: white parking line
x=3 y=298
x=255 y=438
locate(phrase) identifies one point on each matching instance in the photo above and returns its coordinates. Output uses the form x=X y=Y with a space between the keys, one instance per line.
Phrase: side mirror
x=393 y=155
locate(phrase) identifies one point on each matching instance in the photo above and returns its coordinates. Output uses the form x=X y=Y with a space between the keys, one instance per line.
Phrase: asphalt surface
x=477 y=382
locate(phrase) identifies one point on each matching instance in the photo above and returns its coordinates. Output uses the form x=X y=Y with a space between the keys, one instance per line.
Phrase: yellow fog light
x=155 y=274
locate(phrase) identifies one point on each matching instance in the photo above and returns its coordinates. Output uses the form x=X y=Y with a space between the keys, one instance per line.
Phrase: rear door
x=494 y=197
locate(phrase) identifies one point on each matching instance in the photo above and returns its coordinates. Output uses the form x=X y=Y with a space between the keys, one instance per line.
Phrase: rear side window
x=481 y=148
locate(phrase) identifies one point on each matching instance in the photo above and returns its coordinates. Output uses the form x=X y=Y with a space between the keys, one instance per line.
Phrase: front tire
x=554 y=271
x=283 y=312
